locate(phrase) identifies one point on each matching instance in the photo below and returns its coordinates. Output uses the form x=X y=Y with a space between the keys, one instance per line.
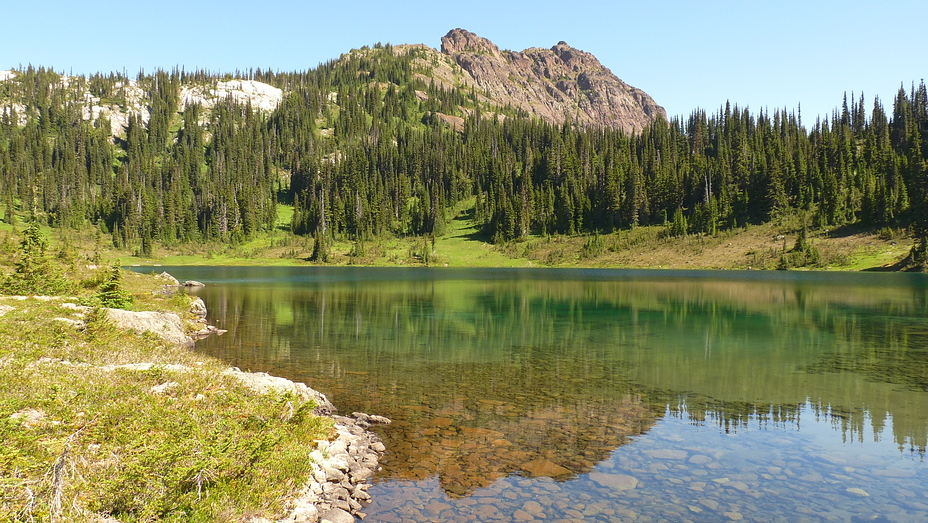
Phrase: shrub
x=34 y=272
x=111 y=293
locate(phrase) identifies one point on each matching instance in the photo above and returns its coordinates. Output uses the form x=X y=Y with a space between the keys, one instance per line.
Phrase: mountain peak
x=560 y=84
x=463 y=41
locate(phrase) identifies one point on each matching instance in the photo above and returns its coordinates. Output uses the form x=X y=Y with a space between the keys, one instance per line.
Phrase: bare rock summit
x=559 y=85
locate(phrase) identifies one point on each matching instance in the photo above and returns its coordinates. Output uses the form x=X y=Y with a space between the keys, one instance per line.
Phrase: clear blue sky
x=686 y=54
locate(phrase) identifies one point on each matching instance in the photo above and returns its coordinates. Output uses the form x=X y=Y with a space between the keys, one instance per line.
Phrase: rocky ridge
x=559 y=85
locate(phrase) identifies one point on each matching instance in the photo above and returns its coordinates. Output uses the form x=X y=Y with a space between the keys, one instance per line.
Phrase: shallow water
x=606 y=395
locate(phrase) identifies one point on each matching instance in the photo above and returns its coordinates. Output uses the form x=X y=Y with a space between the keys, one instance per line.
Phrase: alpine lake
x=605 y=395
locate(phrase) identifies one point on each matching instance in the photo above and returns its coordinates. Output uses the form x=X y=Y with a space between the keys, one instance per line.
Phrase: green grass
x=874 y=258
x=83 y=440
x=461 y=245
x=284 y=217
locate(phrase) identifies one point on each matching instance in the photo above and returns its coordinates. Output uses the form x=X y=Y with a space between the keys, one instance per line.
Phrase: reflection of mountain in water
x=492 y=377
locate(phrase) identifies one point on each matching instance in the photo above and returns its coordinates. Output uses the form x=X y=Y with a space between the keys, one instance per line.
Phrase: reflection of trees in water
x=479 y=373
x=855 y=423
x=890 y=356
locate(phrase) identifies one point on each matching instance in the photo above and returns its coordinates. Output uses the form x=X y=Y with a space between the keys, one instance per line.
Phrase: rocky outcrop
x=172 y=281
x=134 y=100
x=167 y=325
x=560 y=84
x=264 y=383
x=118 y=114
x=260 y=95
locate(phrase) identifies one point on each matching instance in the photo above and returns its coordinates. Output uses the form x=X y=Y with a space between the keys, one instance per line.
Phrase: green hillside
x=381 y=148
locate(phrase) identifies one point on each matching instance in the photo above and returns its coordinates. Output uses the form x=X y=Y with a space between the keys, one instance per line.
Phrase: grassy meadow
x=767 y=246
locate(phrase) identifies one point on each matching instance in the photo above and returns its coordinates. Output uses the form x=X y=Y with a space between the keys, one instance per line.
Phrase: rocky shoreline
x=337 y=483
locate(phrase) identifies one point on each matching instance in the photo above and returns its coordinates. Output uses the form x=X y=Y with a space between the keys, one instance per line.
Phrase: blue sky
x=686 y=54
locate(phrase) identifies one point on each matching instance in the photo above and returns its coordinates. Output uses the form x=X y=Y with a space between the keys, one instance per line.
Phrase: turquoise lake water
x=606 y=395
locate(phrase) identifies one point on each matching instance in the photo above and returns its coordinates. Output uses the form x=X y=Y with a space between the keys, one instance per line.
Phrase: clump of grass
x=593 y=246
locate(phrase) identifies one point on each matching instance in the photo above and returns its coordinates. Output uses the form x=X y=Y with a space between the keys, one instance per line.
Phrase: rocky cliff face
x=560 y=84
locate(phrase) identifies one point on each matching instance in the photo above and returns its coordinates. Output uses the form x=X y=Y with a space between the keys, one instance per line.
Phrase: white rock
x=19 y=109
x=77 y=324
x=165 y=388
x=262 y=96
x=263 y=383
x=141 y=367
x=166 y=325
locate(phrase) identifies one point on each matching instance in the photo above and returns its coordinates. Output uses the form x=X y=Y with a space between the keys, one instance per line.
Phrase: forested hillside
x=369 y=145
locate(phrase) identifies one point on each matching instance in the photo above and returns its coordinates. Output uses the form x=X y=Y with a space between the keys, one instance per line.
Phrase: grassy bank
x=767 y=246
x=87 y=435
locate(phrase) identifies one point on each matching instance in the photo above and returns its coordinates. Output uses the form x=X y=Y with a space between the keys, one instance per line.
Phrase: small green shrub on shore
x=111 y=293
x=34 y=273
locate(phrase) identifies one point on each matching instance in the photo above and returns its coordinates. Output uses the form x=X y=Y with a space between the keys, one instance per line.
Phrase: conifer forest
x=361 y=148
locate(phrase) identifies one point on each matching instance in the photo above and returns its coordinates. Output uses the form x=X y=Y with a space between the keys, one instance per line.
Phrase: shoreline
x=336 y=484
x=336 y=488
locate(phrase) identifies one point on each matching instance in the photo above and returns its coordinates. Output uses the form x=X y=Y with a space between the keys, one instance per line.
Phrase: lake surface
x=606 y=395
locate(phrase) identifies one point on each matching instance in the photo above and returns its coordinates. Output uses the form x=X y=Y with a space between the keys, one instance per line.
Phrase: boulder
x=337 y=515
x=169 y=280
x=166 y=325
x=198 y=307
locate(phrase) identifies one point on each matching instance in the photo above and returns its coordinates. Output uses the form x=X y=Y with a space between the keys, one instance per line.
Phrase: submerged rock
x=614 y=481
x=544 y=467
